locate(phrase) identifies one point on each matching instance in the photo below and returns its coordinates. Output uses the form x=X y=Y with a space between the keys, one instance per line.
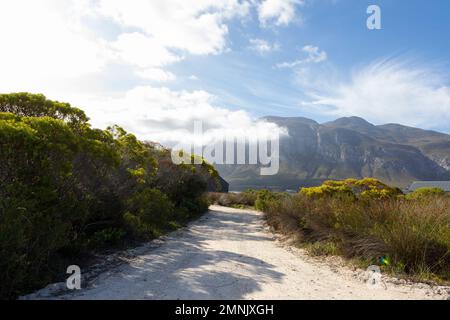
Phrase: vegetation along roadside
x=68 y=190
x=365 y=221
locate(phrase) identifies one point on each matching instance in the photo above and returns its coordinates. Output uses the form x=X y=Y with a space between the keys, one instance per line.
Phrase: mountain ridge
x=348 y=147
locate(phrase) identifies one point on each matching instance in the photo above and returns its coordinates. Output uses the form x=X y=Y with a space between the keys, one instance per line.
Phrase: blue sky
x=411 y=30
x=154 y=66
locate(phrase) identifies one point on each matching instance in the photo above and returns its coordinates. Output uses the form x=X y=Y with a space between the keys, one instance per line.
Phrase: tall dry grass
x=412 y=234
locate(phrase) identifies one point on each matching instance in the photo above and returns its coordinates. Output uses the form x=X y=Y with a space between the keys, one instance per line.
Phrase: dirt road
x=229 y=254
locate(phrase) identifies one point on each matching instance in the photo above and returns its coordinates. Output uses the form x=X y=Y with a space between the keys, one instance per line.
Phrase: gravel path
x=229 y=254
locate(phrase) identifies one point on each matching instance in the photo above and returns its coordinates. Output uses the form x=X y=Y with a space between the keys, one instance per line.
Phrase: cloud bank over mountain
x=154 y=66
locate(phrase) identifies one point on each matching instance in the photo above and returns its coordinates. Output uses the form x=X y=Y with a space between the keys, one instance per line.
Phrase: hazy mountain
x=349 y=147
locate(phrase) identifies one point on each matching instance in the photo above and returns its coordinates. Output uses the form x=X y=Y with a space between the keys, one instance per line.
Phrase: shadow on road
x=201 y=262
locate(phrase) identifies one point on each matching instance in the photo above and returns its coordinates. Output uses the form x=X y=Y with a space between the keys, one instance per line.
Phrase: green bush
x=369 y=188
x=426 y=192
x=246 y=198
x=107 y=237
x=68 y=189
x=27 y=240
x=259 y=199
x=149 y=212
x=413 y=234
x=322 y=248
x=264 y=199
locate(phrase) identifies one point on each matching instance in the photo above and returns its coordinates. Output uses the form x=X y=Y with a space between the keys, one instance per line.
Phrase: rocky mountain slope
x=348 y=147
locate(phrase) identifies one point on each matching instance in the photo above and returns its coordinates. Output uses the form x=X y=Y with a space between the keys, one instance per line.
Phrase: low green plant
x=246 y=198
x=411 y=234
x=365 y=188
x=322 y=248
x=148 y=211
x=107 y=237
x=426 y=192
x=67 y=189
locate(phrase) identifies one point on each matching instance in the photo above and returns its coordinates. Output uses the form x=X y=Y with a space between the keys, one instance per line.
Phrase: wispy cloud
x=388 y=91
x=278 y=12
x=313 y=55
x=262 y=46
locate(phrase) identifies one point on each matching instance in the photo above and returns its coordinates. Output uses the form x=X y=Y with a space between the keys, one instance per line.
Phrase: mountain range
x=344 y=148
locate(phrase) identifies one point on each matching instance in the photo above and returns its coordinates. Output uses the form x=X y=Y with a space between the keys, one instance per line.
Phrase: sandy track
x=229 y=254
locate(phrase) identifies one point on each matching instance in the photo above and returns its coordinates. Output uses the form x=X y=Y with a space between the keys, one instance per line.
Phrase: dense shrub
x=414 y=236
x=265 y=198
x=66 y=188
x=426 y=192
x=37 y=105
x=365 y=188
x=149 y=212
x=246 y=198
x=107 y=237
x=257 y=199
x=367 y=220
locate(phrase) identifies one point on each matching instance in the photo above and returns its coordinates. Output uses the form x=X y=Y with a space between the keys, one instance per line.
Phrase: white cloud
x=197 y=27
x=91 y=52
x=314 y=55
x=167 y=116
x=278 y=12
x=40 y=40
x=58 y=42
x=54 y=41
x=389 y=91
x=263 y=46
x=142 y=51
x=156 y=75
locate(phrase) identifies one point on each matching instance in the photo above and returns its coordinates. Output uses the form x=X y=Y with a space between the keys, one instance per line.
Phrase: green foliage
x=366 y=188
x=107 y=237
x=66 y=188
x=148 y=211
x=184 y=185
x=425 y=193
x=259 y=199
x=36 y=105
x=246 y=198
x=264 y=199
x=327 y=191
x=412 y=234
x=322 y=248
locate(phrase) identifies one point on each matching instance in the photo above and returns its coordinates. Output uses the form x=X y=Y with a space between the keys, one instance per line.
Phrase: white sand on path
x=230 y=254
